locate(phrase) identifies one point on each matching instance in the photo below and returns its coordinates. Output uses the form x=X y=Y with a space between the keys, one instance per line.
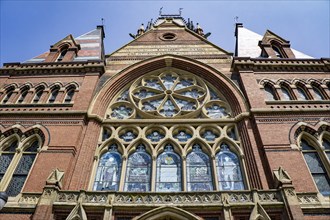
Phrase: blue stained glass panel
x=229 y=170
x=143 y=93
x=193 y=93
x=209 y=135
x=183 y=136
x=128 y=136
x=168 y=177
x=168 y=81
x=121 y=112
x=155 y=136
x=25 y=164
x=183 y=83
x=108 y=171
x=185 y=105
x=168 y=109
x=123 y=96
x=5 y=160
x=138 y=172
x=199 y=176
x=323 y=184
x=151 y=105
x=216 y=111
x=153 y=83
x=15 y=185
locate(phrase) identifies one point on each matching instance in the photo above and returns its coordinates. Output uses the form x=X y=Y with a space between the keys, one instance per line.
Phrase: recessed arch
x=214 y=77
x=161 y=213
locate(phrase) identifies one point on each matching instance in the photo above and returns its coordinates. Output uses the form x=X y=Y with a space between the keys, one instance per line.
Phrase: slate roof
x=247 y=45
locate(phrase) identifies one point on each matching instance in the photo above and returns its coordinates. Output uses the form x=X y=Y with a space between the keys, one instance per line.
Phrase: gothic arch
x=165 y=212
x=114 y=85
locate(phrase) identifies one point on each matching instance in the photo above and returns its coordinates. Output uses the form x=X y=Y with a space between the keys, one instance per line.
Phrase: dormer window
x=277 y=52
x=62 y=54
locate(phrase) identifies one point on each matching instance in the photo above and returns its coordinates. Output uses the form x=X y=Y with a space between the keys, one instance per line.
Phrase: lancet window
x=109 y=170
x=16 y=161
x=138 y=173
x=315 y=164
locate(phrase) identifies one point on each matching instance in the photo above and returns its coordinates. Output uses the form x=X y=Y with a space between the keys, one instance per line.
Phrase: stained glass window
x=209 y=135
x=6 y=158
x=216 y=111
x=183 y=136
x=121 y=112
x=155 y=136
x=22 y=170
x=128 y=136
x=168 y=177
x=228 y=170
x=108 y=170
x=199 y=177
x=231 y=133
x=326 y=145
x=316 y=167
x=138 y=171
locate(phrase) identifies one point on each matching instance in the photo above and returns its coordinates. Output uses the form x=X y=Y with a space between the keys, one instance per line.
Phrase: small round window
x=168 y=36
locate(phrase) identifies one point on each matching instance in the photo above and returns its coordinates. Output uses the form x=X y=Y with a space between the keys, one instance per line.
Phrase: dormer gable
x=64 y=50
x=274 y=46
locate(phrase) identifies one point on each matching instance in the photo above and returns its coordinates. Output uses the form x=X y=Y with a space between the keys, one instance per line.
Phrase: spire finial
x=180 y=10
x=160 y=11
x=102 y=21
x=236 y=19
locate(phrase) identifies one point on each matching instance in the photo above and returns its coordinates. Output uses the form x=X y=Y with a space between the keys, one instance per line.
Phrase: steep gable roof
x=247 y=43
x=90 y=46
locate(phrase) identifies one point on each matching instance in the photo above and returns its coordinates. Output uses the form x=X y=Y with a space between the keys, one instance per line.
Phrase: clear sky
x=28 y=28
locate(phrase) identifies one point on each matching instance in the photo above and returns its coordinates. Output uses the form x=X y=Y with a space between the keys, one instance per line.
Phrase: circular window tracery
x=169 y=94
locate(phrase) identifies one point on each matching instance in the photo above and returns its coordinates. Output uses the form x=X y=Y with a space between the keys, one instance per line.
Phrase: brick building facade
x=169 y=126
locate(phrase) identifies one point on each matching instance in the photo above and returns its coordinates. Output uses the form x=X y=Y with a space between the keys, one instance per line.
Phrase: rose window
x=167 y=95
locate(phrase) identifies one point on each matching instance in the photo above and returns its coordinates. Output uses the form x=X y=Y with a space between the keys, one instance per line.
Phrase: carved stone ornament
x=259 y=213
x=55 y=178
x=77 y=213
x=281 y=177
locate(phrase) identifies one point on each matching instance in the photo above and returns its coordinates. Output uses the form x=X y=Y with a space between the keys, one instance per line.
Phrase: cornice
x=280 y=65
x=54 y=68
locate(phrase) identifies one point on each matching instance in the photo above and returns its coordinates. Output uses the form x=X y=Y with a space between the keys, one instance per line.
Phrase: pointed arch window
x=23 y=95
x=62 y=55
x=316 y=167
x=16 y=170
x=317 y=92
x=229 y=170
x=199 y=176
x=286 y=93
x=69 y=95
x=302 y=95
x=108 y=170
x=270 y=92
x=326 y=145
x=168 y=177
x=138 y=172
x=38 y=94
x=53 y=95
x=9 y=93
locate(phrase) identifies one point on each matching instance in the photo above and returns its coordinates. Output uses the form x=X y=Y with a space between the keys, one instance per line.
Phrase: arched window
x=286 y=93
x=270 y=92
x=326 y=145
x=62 y=55
x=108 y=170
x=302 y=95
x=17 y=165
x=38 y=94
x=24 y=92
x=316 y=167
x=69 y=95
x=53 y=95
x=9 y=93
x=138 y=172
x=317 y=92
x=277 y=51
x=229 y=169
x=199 y=176
x=168 y=177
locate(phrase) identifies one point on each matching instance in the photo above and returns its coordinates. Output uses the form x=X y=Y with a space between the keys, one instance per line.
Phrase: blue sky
x=28 y=28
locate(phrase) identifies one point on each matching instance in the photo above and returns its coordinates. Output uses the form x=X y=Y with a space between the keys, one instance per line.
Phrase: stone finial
x=55 y=178
x=281 y=177
x=141 y=30
x=199 y=30
x=259 y=213
x=77 y=213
